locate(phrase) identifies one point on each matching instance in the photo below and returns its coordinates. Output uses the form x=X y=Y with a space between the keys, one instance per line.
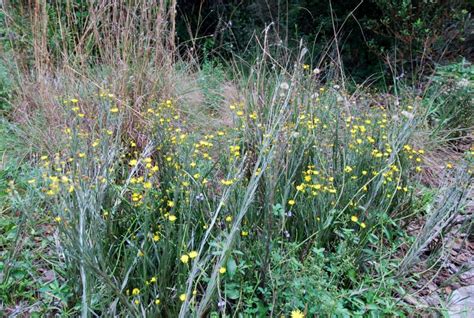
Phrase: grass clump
x=290 y=199
x=218 y=220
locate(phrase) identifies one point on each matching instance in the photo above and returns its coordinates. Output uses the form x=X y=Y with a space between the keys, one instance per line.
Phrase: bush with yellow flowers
x=291 y=207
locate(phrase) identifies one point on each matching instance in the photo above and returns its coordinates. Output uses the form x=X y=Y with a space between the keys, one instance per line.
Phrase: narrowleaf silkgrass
x=286 y=201
x=198 y=221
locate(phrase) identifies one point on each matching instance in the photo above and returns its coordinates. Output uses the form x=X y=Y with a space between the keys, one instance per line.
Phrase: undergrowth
x=289 y=199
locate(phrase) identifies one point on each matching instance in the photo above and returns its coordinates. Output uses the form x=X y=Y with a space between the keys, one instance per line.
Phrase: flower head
x=185 y=259
x=135 y=291
x=297 y=314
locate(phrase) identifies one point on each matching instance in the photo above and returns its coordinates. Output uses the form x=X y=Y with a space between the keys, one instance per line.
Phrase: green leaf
x=231 y=267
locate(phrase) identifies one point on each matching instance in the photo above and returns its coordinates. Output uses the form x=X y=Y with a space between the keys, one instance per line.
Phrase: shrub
x=194 y=221
x=451 y=91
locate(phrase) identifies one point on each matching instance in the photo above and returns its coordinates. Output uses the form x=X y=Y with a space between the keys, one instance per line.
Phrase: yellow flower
x=114 y=109
x=157 y=301
x=244 y=233
x=172 y=218
x=291 y=202
x=227 y=182
x=362 y=225
x=133 y=162
x=193 y=254
x=228 y=219
x=147 y=185
x=348 y=169
x=153 y=279
x=354 y=218
x=135 y=291
x=297 y=314
x=136 y=301
x=185 y=259
x=182 y=297
x=57 y=219
x=170 y=204
x=222 y=270
x=156 y=237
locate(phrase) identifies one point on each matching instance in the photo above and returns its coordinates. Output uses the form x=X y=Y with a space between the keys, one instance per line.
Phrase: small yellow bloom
x=156 y=237
x=170 y=204
x=135 y=291
x=157 y=301
x=363 y=225
x=222 y=270
x=291 y=202
x=133 y=162
x=114 y=110
x=172 y=218
x=297 y=314
x=228 y=219
x=354 y=218
x=182 y=297
x=58 y=219
x=184 y=259
x=227 y=182
x=193 y=254
x=147 y=185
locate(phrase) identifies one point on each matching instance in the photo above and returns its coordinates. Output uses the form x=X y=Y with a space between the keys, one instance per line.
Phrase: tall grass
x=161 y=215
